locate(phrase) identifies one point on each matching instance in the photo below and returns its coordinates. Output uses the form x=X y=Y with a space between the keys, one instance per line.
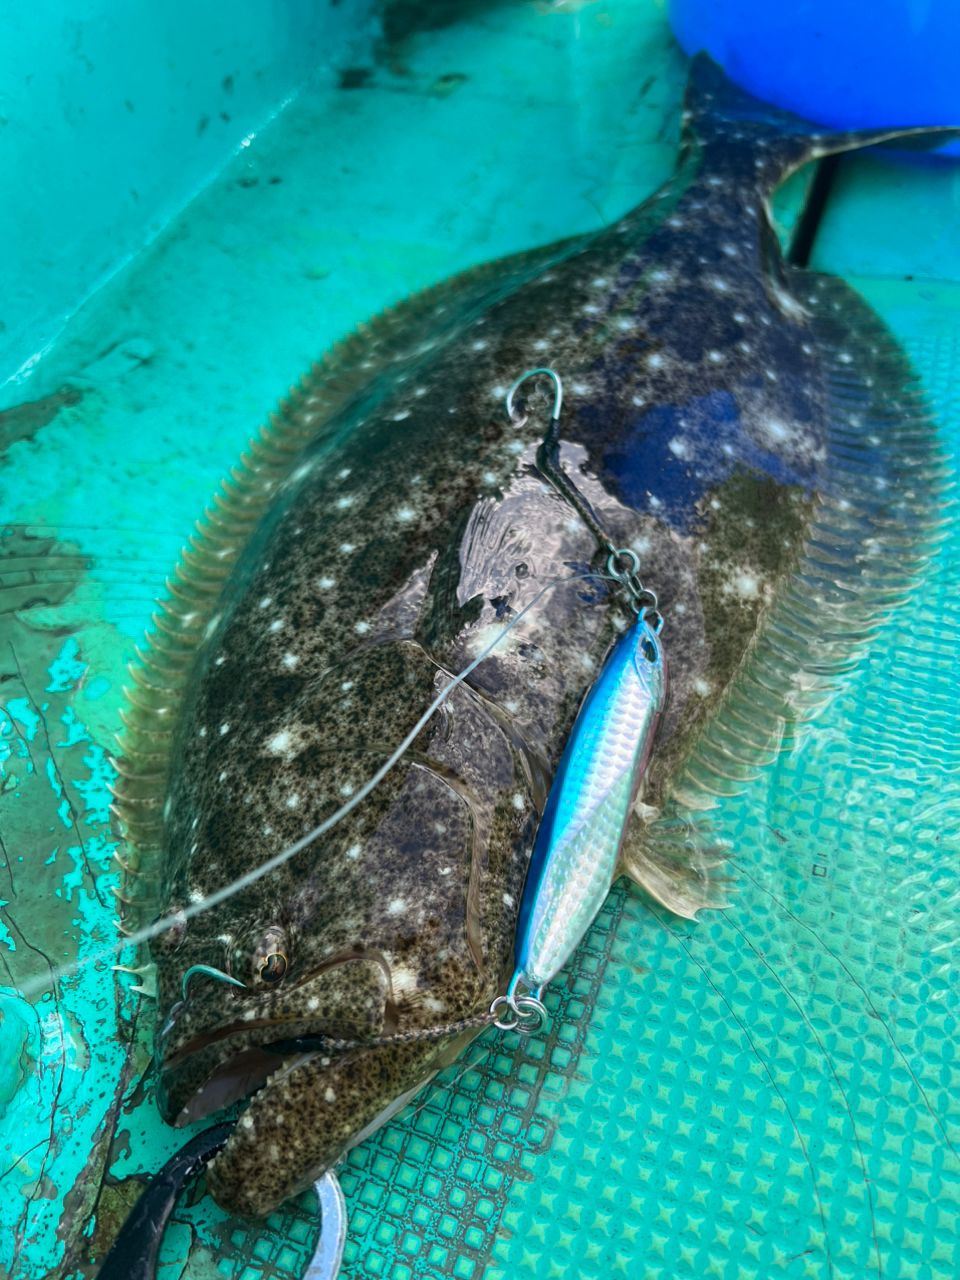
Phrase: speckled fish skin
x=574 y=860
x=415 y=525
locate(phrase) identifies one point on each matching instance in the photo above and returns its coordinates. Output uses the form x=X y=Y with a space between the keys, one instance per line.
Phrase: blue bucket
x=842 y=63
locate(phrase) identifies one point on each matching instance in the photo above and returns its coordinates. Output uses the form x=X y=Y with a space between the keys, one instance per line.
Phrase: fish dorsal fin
x=381 y=348
x=873 y=528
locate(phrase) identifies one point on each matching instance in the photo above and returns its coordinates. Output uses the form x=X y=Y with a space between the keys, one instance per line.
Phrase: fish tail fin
x=717 y=113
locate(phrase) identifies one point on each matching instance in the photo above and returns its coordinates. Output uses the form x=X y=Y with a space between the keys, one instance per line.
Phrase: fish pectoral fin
x=674 y=866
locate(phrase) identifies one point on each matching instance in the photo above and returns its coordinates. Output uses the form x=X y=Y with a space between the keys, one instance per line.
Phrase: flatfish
x=749 y=430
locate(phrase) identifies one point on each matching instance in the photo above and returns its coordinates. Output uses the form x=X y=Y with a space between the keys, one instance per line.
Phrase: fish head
x=318 y=994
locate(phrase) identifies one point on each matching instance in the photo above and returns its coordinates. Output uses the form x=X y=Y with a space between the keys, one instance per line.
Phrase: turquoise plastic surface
x=772 y=1092
x=112 y=116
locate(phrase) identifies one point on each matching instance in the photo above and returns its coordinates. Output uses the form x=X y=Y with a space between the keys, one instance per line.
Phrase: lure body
x=575 y=856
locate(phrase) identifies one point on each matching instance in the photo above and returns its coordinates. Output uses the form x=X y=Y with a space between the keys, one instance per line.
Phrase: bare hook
x=531 y=373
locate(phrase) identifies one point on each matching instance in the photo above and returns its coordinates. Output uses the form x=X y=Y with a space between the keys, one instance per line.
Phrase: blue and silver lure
x=577 y=848
x=574 y=861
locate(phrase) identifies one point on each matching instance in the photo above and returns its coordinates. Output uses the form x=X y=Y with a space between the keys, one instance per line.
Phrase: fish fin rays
x=678 y=863
x=191 y=602
x=874 y=527
x=146 y=975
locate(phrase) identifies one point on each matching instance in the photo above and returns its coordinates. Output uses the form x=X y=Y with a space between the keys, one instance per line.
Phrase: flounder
x=749 y=429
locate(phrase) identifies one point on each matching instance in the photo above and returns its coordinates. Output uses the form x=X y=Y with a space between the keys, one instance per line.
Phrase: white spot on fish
x=715 y=357
x=591 y=309
x=599 y=282
x=702 y=687
x=211 y=626
x=518 y=800
x=224 y=728
x=266 y=602
x=290 y=660
x=362 y=628
x=396 y=906
x=293 y=800
x=344 y=502
x=679 y=448
x=280 y=743
x=354 y=852
x=276 y=624
x=404 y=514
x=626 y=324
x=399 y=417
x=719 y=284
x=845 y=357
x=343 y=473
x=744 y=585
x=202 y=731
x=329 y=1094
x=326 y=583
x=347 y=789
x=508 y=900
x=655 y=361
x=541 y=344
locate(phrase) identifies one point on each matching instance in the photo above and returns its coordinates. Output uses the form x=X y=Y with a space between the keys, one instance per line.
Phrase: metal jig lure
x=575 y=855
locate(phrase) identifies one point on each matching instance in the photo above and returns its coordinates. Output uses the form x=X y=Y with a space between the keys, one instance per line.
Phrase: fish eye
x=265 y=958
x=273 y=967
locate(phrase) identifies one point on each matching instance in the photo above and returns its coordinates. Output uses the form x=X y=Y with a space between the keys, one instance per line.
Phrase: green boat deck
x=772 y=1092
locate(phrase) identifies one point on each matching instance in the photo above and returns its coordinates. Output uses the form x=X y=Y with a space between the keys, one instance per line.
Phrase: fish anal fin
x=876 y=523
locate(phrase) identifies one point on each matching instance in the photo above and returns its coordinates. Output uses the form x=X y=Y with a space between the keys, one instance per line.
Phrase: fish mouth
x=204 y=1066
x=184 y=1100
x=209 y=1074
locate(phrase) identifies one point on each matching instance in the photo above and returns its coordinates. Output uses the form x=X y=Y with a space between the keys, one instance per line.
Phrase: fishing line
x=257 y=873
